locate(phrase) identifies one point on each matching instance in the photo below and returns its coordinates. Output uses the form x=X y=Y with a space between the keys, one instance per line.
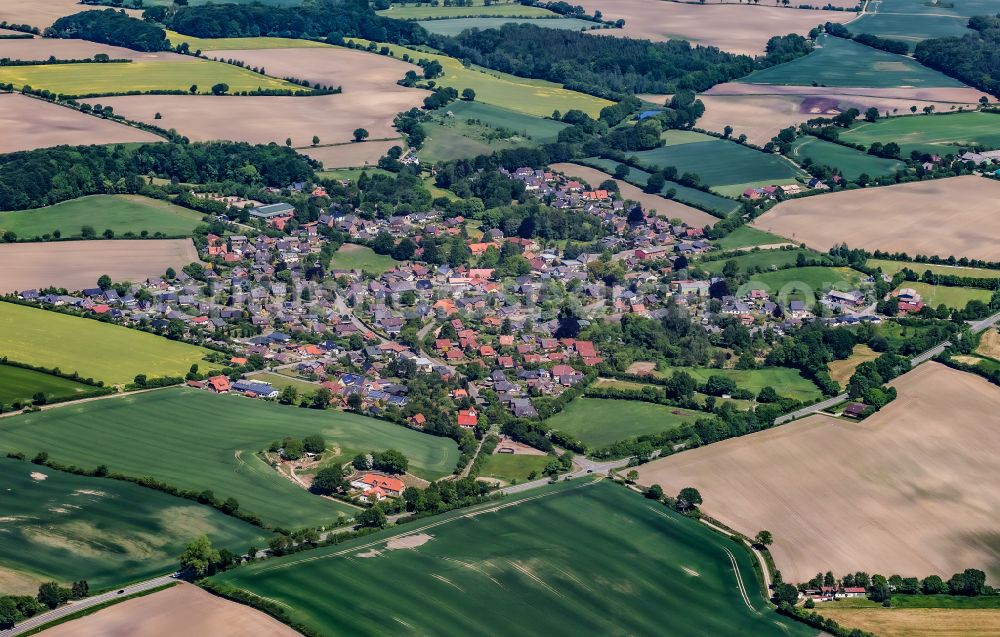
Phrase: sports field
x=85 y=79
x=196 y=440
x=502 y=10
x=120 y=213
x=538 y=129
x=599 y=421
x=850 y=162
x=892 y=267
x=19 y=384
x=66 y=527
x=225 y=44
x=953 y=297
x=576 y=558
x=351 y=256
x=747 y=236
x=532 y=97
x=762 y=259
x=102 y=351
x=935 y=134
x=456 y=26
x=788 y=382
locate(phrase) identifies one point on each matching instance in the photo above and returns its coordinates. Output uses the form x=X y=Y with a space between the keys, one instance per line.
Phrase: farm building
x=375 y=486
x=273 y=211
x=255 y=389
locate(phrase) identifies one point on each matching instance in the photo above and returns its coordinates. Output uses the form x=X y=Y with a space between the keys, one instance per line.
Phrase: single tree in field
x=171 y=274
x=288 y=142
x=220 y=89
x=315 y=140
x=764 y=538
x=360 y=134
x=468 y=95
x=104 y=282
x=727 y=131
x=199 y=556
x=632 y=476
x=688 y=498
x=193 y=89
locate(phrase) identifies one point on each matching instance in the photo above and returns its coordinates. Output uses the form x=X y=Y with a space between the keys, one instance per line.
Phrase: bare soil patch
x=513 y=447
x=29 y=123
x=408 y=541
x=183 y=609
x=42 y=13
x=76 y=265
x=945 y=217
x=989 y=344
x=663 y=207
x=43 y=48
x=641 y=367
x=900 y=492
x=917 y=622
x=731 y=27
x=351 y=155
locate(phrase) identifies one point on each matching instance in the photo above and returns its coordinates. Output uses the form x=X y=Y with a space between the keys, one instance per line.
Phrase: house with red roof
x=219 y=384
x=468 y=418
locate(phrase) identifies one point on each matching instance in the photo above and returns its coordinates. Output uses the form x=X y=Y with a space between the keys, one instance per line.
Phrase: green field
x=456 y=139
x=892 y=267
x=720 y=206
x=576 y=558
x=426 y=11
x=67 y=527
x=816 y=280
x=281 y=381
x=746 y=237
x=510 y=467
x=952 y=297
x=533 y=97
x=20 y=385
x=601 y=421
x=916 y=20
x=538 y=129
x=121 y=213
x=840 y=62
x=236 y=44
x=762 y=259
x=850 y=162
x=196 y=440
x=727 y=167
x=351 y=256
x=102 y=351
x=457 y=25
x=943 y=133
x=352 y=174
x=85 y=79
x=788 y=382
x=925 y=601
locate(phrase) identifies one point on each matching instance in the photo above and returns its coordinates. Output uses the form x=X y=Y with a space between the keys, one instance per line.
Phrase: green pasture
x=509 y=467
x=64 y=527
x=454 y=27
x=428 y=12
x=953 y=297
x=892 y=267
x=584 y=557
x=538 y=129
x=935 y=134
x=352 y=174
x=456 y=139
x=351 y=256
x=788 y=382
x=194 y=439
x=840 y=62
x=746 y=237
x=916 y=20
x=86 y=79
x=102 y=351
x=601 y=421
x=121 y=213
x=762 y=259
x=720 y=206
x=237 y=44
x=850 y=162
x=808 y=283
x=20 y=385
x=532 y=97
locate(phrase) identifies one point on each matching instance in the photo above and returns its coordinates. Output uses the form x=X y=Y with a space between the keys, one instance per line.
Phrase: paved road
x=83 y=604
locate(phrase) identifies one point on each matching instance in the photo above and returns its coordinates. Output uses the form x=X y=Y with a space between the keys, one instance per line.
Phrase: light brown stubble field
x=42 y=13
x=664 y=207
x=76 y=265
x=28 y=123
x=945 y=217
x=44 y=48
x=901 y=492
x=183 y=609
x=917 y=622
x=351 y=155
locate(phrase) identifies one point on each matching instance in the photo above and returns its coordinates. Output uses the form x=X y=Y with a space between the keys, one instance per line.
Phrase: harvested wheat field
x=900 y=492
x=28 y=123
x=731 y=27
x=663 y=207
x=42 y=13
x=944 y=217
x=842 y=370
x=44 y=48
x=351 y=155
x=989 y=344
x=181 y=609
x=917 y=622
x=76 y=265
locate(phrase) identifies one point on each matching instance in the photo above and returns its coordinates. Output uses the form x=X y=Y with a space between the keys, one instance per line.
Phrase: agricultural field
x=43 y=14
x=892 y=267
x=936 y=440
x=916 y=20
x=512 y=468
x=850 y=162
x=351 y=256
x=102 y=351
x=515 y=569
x=156 y=616
x=663 y=207
x=989 y=344
x=120 y=213
x=602 y=421
x=86 y=79
x=29 y=123
x=350 y=154
x=788 y=382
x=748 y=237
x=759 y=117
x=726 y=167
x=842 y=370
x=934 y=134
x=163 y=434
x=496 y=9
x=457 y=25
x=449 y=139
x=20 y=385
x=38 y=49
x=897 y=218
x=67 y=527
x=537 y=129
x=953 y=297
x=76 y=265
x=227 y=44
x=916 y=622
x=762 y=259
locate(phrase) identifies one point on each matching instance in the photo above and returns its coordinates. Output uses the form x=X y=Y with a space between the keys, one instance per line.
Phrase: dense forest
x=974 y=58
x=31 y=179
x=331 y=19
x=110 y=27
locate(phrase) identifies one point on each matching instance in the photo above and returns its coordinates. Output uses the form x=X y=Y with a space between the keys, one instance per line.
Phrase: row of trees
x=973 y=58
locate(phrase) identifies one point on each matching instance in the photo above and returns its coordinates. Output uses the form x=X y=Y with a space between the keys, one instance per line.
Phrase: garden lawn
x=892 y=267
x=532 y=97
x=934 y=134
x=538 y=129
x=20 y=385
x=816 y=280
x=193 y=439
x=102 y=351
x=424 y=12
x=457 y=25
x=598 y=422
x=510 y=467
x=763 y=259
x=747 y=237
x=64 y=527
x=786 y=381
x=852 y=163
x=104 y=79
x=952 y=297
x=584 y=557
x=239 y=44
x=120 y=213
x=351 y=256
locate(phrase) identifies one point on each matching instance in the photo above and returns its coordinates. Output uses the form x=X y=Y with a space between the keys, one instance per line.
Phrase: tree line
x=110 y=27
x=973 y=58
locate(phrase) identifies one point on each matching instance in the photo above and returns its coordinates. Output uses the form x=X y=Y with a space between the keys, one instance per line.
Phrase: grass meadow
x=538 y=129
x=850 y=162
x=120 y=213
x=67 y=527
x=576 y=558
x=102 y=351
x=510 y=467
x=601 y=421
x=892 y=267
x=762 y=259
x=20 y=385
x=747 y=237
x=351 y=256
x=239 y=44
x=788 y=382
x=806 y=282
x=196 y=440
x=941 y=133
x=953 y=297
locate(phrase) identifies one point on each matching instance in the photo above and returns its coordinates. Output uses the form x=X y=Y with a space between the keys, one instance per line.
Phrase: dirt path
x=86 y=400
